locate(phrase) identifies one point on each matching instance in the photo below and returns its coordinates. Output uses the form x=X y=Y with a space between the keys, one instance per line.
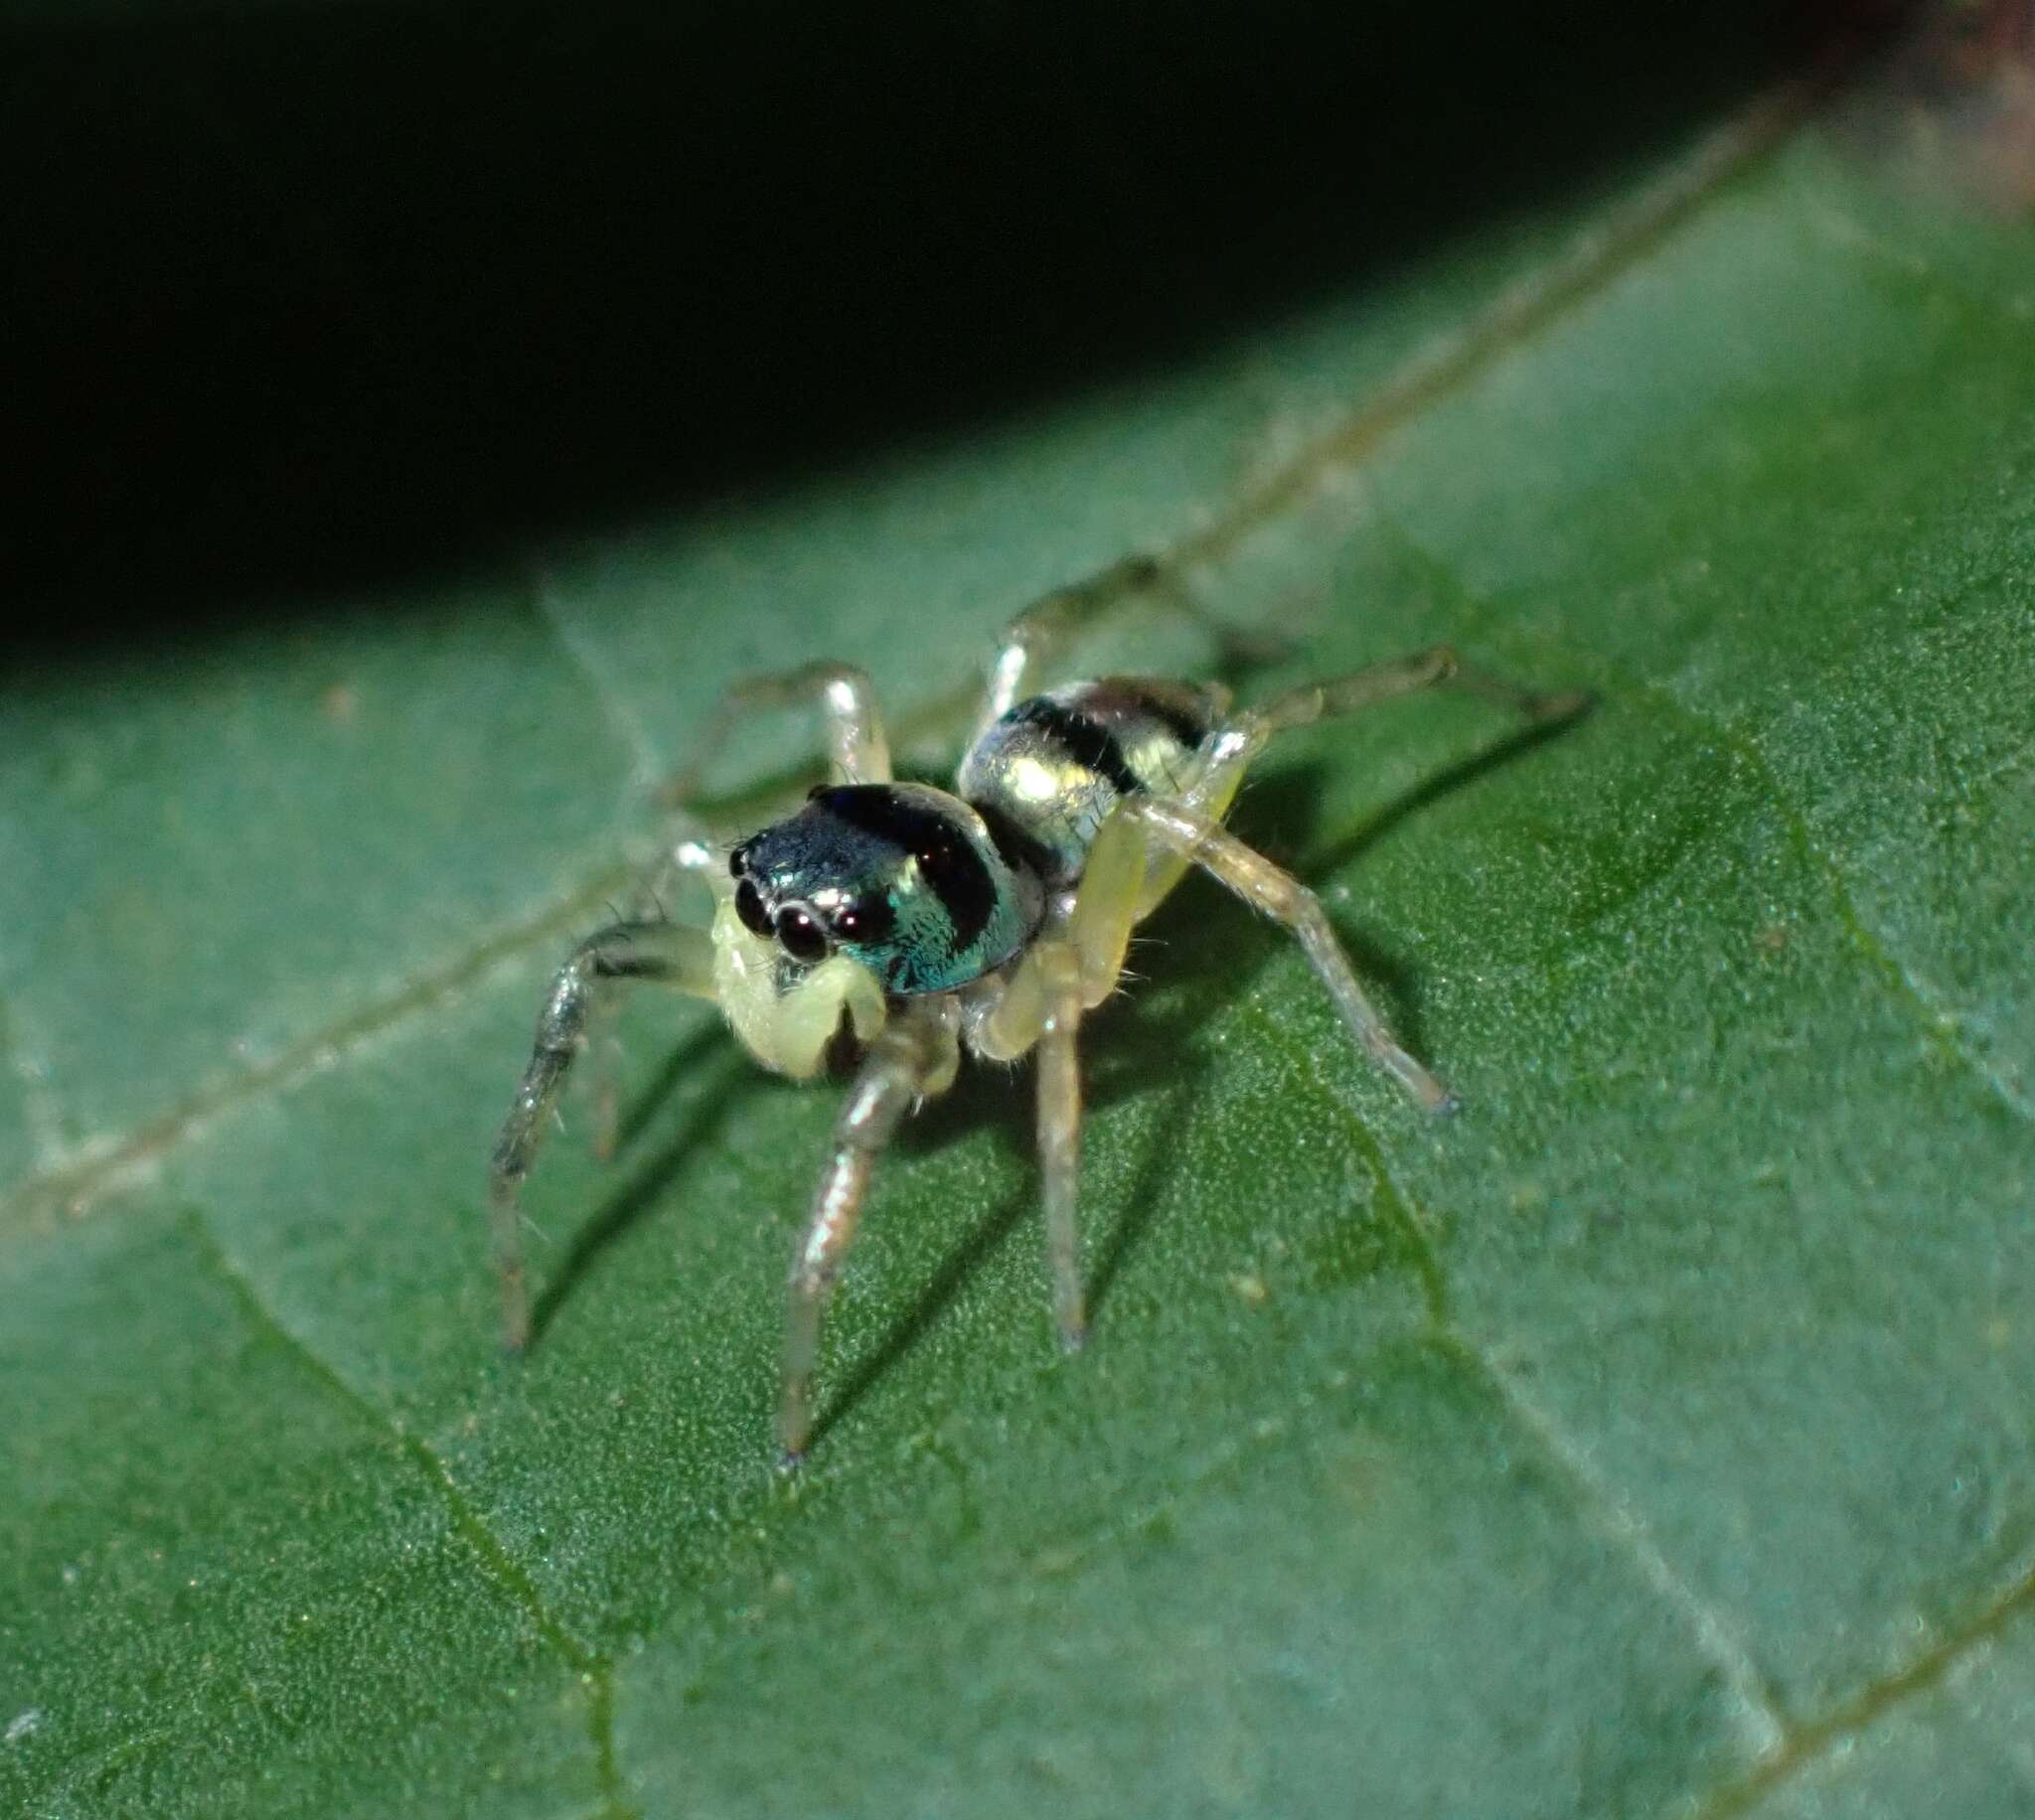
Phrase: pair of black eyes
x=800 y=934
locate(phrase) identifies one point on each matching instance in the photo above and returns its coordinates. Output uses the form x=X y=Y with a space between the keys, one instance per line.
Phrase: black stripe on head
x=947 y=860
x=1088 y=742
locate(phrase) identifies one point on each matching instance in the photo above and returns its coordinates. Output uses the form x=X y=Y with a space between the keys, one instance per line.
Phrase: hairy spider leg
x=1051 y=622
x=913 y=1057
x=665 y=954
x=1197 y=839
x=1037 y=1004
x=1234 y=746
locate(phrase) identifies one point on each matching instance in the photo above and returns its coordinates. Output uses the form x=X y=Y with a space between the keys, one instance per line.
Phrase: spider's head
x=870 y=891
x=788 y=993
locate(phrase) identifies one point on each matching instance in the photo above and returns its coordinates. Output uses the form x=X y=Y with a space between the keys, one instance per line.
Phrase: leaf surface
x=1655 y=1433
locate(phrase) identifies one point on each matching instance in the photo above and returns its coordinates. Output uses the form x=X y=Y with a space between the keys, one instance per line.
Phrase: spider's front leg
x=914 y=1056
x=1059 y=1134
x=665 y=952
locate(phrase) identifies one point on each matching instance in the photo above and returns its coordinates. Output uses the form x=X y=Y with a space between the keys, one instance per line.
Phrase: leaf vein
x=498 y=1564
x=38 y=1102
x=1398 y=1209
x=1520 y=312
x=1940 y=1027
x=1815 y=1740
x=1754 y=1706
x=75 y=1186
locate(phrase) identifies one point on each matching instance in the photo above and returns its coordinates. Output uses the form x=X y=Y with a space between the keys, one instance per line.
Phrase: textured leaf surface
x=1655 y=1433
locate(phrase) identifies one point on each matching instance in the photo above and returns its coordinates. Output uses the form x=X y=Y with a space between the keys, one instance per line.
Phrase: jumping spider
x=903 y=924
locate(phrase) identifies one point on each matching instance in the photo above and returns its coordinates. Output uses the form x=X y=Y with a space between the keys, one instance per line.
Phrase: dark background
x=314 y=296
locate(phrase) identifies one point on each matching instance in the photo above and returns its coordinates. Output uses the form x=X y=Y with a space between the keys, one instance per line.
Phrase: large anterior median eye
x=803 y=939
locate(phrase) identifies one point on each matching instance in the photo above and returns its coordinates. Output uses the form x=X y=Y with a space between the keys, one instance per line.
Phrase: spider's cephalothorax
x=901 y=877
x=898 y=924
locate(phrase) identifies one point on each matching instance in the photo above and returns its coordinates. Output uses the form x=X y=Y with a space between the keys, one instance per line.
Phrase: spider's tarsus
x=514 y=1316
x=790 y=1460
x=515 y=1325
x=1447 y=1107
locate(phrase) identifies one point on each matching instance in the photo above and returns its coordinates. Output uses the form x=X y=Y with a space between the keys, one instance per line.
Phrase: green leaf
x=1655 y=1433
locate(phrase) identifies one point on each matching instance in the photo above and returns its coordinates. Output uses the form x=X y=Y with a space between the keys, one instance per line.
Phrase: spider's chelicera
x=898 y=924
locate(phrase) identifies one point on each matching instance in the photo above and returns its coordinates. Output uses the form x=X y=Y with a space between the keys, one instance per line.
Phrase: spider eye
x=749 y=907
x=801 y=938
x=866 y=922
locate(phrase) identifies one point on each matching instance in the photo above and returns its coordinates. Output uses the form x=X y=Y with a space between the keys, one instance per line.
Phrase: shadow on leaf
x=709 y=1049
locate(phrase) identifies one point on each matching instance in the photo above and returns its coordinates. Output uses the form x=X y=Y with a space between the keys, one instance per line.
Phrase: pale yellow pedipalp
x=788 y=1030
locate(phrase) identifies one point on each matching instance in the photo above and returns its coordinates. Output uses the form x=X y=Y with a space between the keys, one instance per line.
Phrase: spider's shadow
x=1488 y=758
x=1132 y=1053
x=707 y=1050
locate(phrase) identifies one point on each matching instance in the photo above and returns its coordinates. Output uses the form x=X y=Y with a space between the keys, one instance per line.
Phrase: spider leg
x=665 y=953
x=915 y=1055
x=1038 y=1005
x=1044 y=627
x=1050 y=623
x=1109 y=903
x=1232 y=748
x=1075 y=971
x=1059 y=1134
x=1181 y=830
x=858 y=751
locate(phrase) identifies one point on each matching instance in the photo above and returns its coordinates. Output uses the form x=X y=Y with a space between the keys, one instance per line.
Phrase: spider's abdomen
x=1046 y=775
